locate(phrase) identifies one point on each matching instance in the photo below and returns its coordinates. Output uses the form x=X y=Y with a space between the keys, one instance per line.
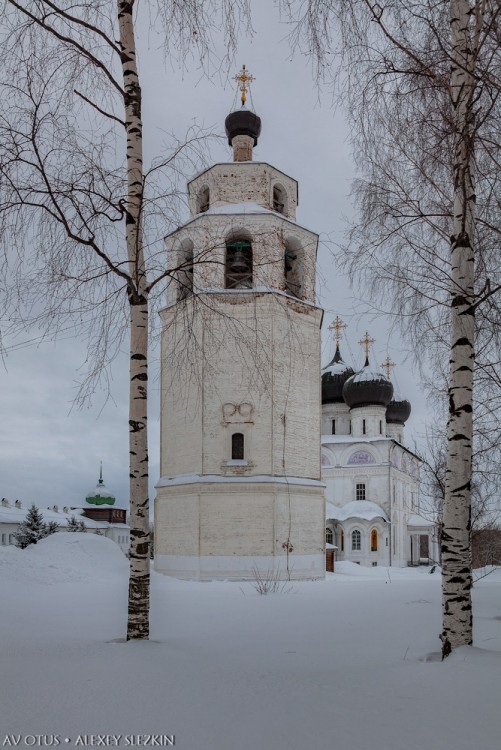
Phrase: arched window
x=293 y=267
x=374 y=540
x=356 y=540
x=185 y=273
x=237 y=446
x=329 y=536
x=238 y=268
x=203 y=200
x=279 y=199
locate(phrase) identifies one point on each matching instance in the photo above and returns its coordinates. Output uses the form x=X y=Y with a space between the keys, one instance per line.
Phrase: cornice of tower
x=240 y=165
x=229 y=210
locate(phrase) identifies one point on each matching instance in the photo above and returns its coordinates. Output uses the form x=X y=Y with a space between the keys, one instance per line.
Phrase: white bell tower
x=240 y=481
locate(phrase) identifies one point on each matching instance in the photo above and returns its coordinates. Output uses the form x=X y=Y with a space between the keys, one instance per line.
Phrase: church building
x=240 y=486
x=256 y=442
x=371 y=476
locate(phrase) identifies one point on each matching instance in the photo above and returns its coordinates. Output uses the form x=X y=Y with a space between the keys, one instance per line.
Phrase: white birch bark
x=139 y=580
x=456 y=527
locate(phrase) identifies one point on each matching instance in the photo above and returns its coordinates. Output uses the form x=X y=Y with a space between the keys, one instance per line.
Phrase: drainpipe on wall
x=390 y=540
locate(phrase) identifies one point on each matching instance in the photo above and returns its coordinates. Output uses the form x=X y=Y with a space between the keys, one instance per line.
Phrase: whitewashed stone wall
x=391 y=476
x=269 y=234
x=238 y=182
x=341 y=413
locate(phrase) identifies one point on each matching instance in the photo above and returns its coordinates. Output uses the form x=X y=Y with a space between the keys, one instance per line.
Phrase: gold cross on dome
x=387 y=365
x=243 y=78
x=366 y=341
x=337 y=325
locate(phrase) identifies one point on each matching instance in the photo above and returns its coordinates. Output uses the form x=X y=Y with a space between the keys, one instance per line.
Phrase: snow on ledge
x=365 y=510
x=181 y=479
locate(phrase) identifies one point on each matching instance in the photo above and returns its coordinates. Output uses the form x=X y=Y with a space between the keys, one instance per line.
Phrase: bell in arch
x=239 y=260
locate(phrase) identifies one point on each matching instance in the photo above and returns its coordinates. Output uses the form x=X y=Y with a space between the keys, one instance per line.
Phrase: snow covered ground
x=348 y=664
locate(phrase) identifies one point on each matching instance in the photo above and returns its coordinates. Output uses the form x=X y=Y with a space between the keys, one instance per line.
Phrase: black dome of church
x=242 y=122
x=367 y=388
x=398 y=411
x=334 y=377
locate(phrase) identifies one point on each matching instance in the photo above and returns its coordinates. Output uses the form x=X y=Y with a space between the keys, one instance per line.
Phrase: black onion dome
x=398 y=411
x=367 y=388
x=242 y=122
x=333 y=378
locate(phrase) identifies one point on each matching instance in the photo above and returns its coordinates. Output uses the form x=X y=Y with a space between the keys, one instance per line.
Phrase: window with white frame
x=360 y=491
x=356 y=540
x=329 y=536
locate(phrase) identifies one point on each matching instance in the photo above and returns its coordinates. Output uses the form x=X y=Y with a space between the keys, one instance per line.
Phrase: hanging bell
x=288 y=258
x=239 y=262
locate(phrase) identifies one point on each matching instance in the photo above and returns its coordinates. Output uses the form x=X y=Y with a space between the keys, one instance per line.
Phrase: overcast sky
x=49 y=450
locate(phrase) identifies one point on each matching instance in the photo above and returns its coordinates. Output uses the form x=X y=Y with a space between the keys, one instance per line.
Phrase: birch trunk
x=139 y=580
x=456 y=525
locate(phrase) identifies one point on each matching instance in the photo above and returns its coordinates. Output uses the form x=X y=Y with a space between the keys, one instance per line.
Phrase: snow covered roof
x=351 y=439
x=326 y=439
x=337 y=368
x=247 y=209
x=256 y=479
x=363 y=509
x=366 y=374
x=240 y=208
x=259 y=289
x=419 y=521
x=18 y=515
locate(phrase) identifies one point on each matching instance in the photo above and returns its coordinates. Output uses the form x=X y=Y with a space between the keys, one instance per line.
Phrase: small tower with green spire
x=99 y=496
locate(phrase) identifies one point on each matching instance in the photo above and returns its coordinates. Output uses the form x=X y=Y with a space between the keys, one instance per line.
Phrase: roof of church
x=367 y=388
x=398 y=410
x=242 y=122
x=363 y=509
x=334 y=377
x=99 y=495
x=247 y=208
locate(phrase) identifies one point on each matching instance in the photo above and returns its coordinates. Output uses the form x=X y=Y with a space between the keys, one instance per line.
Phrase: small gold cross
x=366 y=341
x=337 y=325
x=243 y=78
x=387 y=365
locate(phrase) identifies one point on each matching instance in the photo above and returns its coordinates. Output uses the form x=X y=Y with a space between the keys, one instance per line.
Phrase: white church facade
x=371 y=477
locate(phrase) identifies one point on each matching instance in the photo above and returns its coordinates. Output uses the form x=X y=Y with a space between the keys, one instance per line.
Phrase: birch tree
x=75 y=195
x=422 y=81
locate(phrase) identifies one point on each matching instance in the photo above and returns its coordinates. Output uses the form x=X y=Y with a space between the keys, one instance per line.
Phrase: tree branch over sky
x=421 y=81
x=82 y=220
